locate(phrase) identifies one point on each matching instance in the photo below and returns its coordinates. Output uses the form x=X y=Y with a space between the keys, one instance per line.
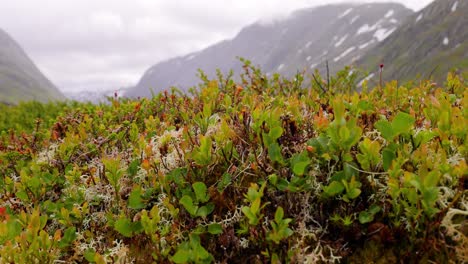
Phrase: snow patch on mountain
x=363 y=46
x=345 y=13
x=419 y=17
x=365 y=28
x=341 y=41
x=366 y=79
x=344 y=54
x=389 y=13
x=454 y=7
x=446 y=41
x=354 y=19
x=383 y=33
x=191 y=57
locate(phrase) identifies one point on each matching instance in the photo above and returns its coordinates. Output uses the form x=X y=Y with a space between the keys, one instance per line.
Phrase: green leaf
x=299 y=168
x=370 y=153
x=385 y=128
x=124 y=227
x=280 y=183
x=134 y=200
x=181 y=256
x=205 y=210
x=299 y=163
x=133 y=167
x=342 y=175
x=273 y=178
x=200 y=192
x=402 y=123
x=353 y=193
x=365 y=217
x=364 y=105
x=416 y=183
x=89 y=255
x=320 y=144
x=177 y=175
x=279 y=214
x=430 y=196
x=68 y=237
x=411 y=194
x=388 y=155
x=202 y=154
x=199 y=253
x=255 y=207
x=205 y=146
x=215 y=229
x=199 y=230
x=334 y=188
x=187 y=202
x=338 y=109
x=373 y=209
x=432 y=179
x=423 y=137
x=207 y=110
x=274 y=151
x=344 y=133
x=22 y=195
x=252 y=218
x=226 y=180
x=275 y=133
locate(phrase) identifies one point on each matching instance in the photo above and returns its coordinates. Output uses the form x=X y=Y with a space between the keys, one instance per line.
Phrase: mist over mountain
x=96 y=96
x=430 y=43
x=340 y=34
x=20 y=79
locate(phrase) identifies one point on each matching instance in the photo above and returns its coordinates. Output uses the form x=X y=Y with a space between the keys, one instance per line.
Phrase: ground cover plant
x=265 y=170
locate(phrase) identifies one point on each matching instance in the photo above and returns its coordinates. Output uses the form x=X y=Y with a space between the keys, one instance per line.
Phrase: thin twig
x=328 y=76
x=380 y=81
x=381 y=67
x=368 y=172
x=318 y=83
x=432 y=72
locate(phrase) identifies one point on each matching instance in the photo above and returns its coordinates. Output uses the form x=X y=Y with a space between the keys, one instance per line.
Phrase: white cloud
x=106 y=22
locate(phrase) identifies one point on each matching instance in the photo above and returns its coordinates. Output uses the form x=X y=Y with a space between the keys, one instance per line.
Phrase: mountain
x=430 y=43
x=305 y=39
x=20 y=79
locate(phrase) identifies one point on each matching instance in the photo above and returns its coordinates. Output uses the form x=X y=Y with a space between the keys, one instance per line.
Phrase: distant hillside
x=20 y=79
x=431 y=42
x=340 y=34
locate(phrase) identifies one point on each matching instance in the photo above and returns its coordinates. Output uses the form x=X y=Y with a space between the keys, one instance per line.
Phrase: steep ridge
x=20 y=79
x=304 y=40
x=430 y=43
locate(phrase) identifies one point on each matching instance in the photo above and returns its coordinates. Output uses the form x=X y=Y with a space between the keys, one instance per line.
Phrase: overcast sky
x=107 y=44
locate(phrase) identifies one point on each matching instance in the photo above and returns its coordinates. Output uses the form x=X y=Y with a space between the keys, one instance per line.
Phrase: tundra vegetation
x=265 y=169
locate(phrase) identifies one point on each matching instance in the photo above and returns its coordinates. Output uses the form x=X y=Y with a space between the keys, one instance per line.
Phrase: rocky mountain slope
x=20 y=79
x=430 y=43
x=339 y=34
